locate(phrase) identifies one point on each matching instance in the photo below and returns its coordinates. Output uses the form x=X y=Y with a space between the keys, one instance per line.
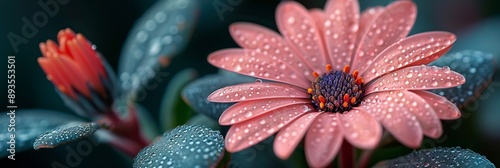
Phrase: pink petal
x=256 y=91
x=290 y=136
x=341 y=27
x=401 y=123
x=360 y=129
x=429 y=122
x=319 y=18
x=408 y=51
x=268 y=43
x=243 y=135
x=444 y=109
x=390 y=26
x=367 y=18
x=257 y=65
x=323 y=140
x=416 y=78
x=300 y=31
x=246 y=110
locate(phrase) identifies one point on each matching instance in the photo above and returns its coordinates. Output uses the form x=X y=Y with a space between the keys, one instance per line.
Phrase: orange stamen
x=321 y=105
x=355 y=74
x=346 y=68
x=328 y=67
x=315 y=74
x=359 y=80
x=345 y=104
x=322 y=99
x=353 y=100
x=310 y=90
x=346 y=97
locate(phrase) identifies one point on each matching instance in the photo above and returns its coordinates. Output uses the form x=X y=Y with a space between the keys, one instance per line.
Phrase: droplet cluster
x=441 y=157
x=185 y=146
x=161 y=31
x=29 y=124
x=63 y=134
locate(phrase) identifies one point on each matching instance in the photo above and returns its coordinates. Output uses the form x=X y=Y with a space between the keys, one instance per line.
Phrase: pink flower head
x=336 y=75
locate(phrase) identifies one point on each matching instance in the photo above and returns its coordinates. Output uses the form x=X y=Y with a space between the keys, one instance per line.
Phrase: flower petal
x=251 y=132
x=360 y=129
x=323 y=140
x=246 y=110
x=257 y=65
x=422 y=110
x=256 y=91
x=401 y=123
x=443 y=108
x=319 y=18
x=341 y=27
x=269 y=43
x=366 y=20
x=407 y=52
x=416 y=78
x=300 y=31
x=390 y=26
x=195 y=93
x=290 y=136
x=478 y=68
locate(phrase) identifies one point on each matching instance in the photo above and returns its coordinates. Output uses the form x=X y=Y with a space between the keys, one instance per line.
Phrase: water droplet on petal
x=258 y=80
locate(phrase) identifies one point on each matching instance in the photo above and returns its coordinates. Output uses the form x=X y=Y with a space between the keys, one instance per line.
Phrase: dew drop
x=304 y=108
x=258 y=80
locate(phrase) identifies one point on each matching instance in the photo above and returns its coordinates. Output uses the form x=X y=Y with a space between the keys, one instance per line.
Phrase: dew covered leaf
x=184 y=146
x=65 y=133
x=203 y=120
x=196 y=93
x=439 y=157
x=262 y=155
x=478 y=69
x=162 y=32
x=29 y=123
x=174 y=111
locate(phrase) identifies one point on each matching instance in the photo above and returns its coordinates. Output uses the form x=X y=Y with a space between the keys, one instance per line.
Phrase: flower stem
x=364 y=160
x=128 y=130
x=346 y=159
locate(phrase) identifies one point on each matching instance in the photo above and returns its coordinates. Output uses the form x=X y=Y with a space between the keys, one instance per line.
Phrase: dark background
x=107 y=23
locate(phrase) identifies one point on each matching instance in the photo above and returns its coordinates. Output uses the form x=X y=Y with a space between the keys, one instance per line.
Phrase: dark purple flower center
x=336 y=90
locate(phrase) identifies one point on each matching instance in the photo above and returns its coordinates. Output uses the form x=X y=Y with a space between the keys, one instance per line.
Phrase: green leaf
x=29 y=123
x=196 y=93
x=173 y=111
x=203 y=120
x=439 y=157
x=185 y=146
x=65 y=133
x=478 y=69
x=163 y=31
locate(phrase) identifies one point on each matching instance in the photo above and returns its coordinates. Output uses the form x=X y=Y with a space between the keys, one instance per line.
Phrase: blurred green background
x=107 y=23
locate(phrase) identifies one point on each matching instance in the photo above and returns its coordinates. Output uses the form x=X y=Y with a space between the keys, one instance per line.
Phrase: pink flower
x=336 y=75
